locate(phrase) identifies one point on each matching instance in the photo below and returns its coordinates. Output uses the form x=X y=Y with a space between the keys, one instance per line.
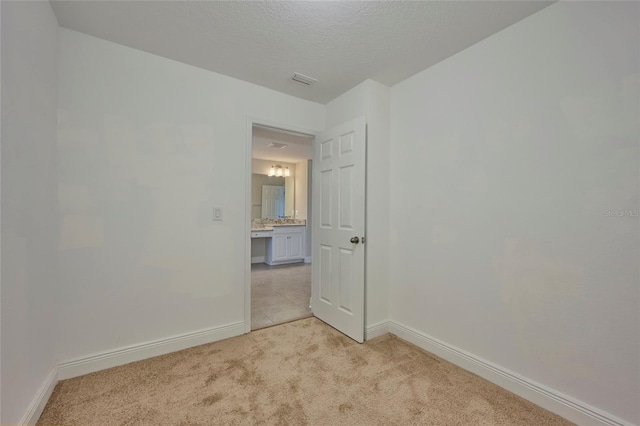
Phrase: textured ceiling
x=298 y=147
x=339 y=43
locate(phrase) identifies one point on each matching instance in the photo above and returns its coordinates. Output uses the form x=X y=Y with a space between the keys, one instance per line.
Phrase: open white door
x=338 y=231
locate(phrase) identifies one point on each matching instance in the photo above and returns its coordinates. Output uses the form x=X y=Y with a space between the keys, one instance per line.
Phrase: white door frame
x=257 y=121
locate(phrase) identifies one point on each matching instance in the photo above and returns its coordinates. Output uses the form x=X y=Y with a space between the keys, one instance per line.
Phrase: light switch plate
x=217 y=213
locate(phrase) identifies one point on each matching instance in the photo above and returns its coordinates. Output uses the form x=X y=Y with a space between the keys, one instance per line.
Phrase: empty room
x=320 y=213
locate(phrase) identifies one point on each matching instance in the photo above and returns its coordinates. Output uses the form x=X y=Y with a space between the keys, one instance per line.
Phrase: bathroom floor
x=279 y=293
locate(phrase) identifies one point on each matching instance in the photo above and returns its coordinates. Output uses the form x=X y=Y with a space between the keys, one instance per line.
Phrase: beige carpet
x=300 y=373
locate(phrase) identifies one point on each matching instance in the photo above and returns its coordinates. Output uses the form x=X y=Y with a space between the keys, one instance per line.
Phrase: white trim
x=376 y=330
x=127 y=354
x=247 y=224
x=570 y=408
x=307 y=259
x=257 y=259
x=42 y=397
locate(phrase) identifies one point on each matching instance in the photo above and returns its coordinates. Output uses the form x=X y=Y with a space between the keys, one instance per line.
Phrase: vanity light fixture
x=279 y=171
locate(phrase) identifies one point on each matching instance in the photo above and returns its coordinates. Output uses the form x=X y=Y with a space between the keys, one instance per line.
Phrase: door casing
x=257 y=121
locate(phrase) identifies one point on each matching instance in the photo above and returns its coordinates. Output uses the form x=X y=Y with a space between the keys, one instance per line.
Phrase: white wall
x=29 y=205
x=371 y=100
x=309 y=219
x=301 y=189
x=289 y=204
x=303 y=199
x=505 y=159
x=146 y=149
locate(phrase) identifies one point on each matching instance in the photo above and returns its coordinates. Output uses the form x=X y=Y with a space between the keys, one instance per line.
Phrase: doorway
x=280 y=226
x=337 y=218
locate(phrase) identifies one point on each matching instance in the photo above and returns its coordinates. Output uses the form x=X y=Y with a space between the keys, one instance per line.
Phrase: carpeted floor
x=300 y=373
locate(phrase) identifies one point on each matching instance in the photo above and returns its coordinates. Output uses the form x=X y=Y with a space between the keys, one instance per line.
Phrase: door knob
x=355 y=240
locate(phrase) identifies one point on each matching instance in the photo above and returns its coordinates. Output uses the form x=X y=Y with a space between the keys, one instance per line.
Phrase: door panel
x=325 y=273
x=325 y=199
x=346 y=266
x=338 y=266
x=346 y=198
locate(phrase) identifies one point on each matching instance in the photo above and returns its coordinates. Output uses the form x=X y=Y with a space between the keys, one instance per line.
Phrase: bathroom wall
x=301 y=189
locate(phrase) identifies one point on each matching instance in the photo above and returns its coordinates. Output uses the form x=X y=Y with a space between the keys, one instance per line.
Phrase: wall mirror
x=272 y=197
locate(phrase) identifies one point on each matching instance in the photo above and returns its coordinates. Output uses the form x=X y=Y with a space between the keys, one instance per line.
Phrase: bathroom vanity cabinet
x=287 y=245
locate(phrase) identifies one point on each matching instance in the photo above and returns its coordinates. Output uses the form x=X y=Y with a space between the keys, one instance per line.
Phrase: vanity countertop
x=274 y=225
x=262 y=225
x=262 y=228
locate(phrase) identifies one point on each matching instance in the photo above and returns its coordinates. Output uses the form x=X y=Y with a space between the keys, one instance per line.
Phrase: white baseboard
x=40 y=400
x=120 y=356
x=307 y=259
x=257 y=259
x=376 y=330
x=550 y=399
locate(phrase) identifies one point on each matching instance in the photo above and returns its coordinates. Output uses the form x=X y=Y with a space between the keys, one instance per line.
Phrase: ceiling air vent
x=277 y=145
x=300 y=78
